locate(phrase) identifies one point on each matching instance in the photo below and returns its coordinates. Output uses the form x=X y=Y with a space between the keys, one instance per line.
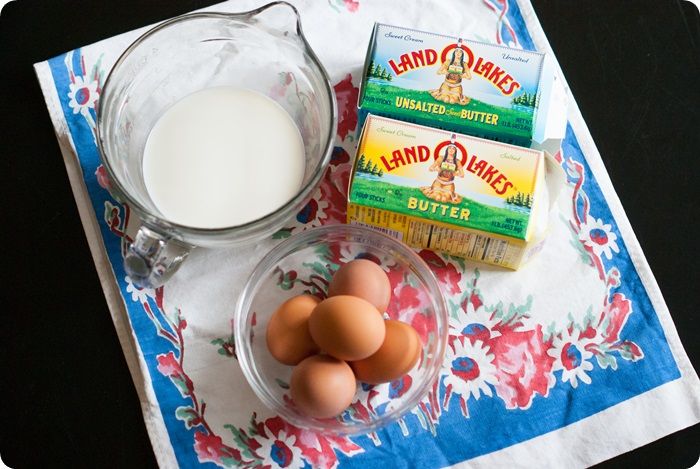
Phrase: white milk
x=221 y=157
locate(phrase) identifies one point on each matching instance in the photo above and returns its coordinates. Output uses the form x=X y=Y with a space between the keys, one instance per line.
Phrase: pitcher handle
x=152 y=258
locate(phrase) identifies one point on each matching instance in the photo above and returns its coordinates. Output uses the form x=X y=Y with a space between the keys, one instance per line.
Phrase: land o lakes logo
x=457 y=61
x=451 y=160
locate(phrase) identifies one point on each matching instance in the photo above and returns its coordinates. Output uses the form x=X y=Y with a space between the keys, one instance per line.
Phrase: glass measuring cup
x=263 y=50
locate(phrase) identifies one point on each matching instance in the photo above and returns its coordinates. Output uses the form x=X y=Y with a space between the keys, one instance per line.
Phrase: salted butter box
x=479 y=89
x=465 y=196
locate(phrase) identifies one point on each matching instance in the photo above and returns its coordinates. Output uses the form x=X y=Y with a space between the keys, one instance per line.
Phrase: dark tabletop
x=67 y=396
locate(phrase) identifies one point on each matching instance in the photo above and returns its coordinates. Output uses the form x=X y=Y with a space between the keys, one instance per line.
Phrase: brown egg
x=322 y=386
x=397 y=355
x=288 y=338
x=364 y=279
x=347 y=327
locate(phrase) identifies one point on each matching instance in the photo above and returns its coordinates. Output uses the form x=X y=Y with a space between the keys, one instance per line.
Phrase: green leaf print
x=605 y=360
x=320 y=269
x=241 y=439
x=188 y=415
x=282 y=384
x=282 y=233
x=181 y=385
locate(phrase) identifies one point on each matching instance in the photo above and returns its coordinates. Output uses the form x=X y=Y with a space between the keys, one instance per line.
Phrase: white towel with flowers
x=570 y=361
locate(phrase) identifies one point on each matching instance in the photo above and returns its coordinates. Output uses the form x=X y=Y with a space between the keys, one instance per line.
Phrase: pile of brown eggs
x=343 y=339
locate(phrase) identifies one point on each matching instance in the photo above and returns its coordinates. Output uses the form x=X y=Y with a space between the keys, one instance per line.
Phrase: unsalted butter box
x=462 y=195
x=479 y=89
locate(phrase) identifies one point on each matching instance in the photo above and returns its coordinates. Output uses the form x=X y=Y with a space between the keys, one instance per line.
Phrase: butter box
x=479 y=89
x=462 y=195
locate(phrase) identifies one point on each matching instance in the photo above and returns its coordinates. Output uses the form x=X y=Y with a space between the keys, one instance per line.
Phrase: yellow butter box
x=465 y=196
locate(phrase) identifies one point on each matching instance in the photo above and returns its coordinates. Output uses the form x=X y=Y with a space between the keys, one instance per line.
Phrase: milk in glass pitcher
x=199 y=139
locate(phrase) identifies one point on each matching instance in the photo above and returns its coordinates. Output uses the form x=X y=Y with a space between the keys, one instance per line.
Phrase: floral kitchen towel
x=569 y=361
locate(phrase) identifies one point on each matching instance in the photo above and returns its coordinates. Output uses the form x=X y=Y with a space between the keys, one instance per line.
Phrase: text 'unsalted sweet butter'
x=462 y=195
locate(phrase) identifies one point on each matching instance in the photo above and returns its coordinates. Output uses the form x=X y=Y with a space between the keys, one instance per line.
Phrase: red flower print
x=446 y=273
x=102 y=178
x=422 y=326
x=351 y=5
x=159 y=297
x=168 y=365
x=475 y=300
x=346 y=96
x=210 y=448
x=396 y=276
x=399 y=387
x=614 y=317
x=469 y=372
x=277 y=445
x=405 y=297
x=524 y=367
x=334 y=189
x=339 y=156
x=317 y=449
x=406 y=303
x=328 y=203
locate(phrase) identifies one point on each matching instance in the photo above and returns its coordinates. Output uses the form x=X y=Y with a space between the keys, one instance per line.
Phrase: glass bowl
x=305 y=263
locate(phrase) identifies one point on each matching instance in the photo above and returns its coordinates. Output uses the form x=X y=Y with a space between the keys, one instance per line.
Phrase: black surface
x=67 y=396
